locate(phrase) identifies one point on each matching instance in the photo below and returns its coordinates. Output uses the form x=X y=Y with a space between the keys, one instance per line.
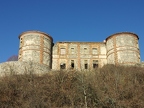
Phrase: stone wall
x=123 y=48
x=35 y=46
x=20 y=67
x=37 y=53
x=79 y=53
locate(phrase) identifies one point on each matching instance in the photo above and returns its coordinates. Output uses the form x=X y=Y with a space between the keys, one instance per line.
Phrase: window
x=85 y=50
x=95 y=64
x=85 y=64
x=62 y=51
x=94 y=51
x=72 y=64
x=62 y=66
x=21 y=40
x=72 y=50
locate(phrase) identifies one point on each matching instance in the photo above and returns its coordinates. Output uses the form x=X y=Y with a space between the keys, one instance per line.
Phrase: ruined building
x=120 y=48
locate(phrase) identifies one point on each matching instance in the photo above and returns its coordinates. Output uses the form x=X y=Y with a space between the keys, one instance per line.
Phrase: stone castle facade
x=38 y=47
x=38 y=53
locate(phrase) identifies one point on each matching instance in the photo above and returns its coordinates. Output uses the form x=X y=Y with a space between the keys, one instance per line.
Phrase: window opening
x=21 y=40
x=85 y=50
x=62 y=51
x=95 y=64
x=72 y=50
x=62 y=66
x=85 y=64
x=94 y=51
x=72 y=64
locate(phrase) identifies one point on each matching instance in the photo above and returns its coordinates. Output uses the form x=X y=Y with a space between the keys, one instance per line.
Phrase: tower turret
x=123 y=48
x=35 y=46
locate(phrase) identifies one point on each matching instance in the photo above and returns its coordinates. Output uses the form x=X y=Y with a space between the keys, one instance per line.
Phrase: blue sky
x=69 y=20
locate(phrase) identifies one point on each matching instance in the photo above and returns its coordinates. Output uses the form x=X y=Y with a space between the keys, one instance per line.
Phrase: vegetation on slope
x=108 y=87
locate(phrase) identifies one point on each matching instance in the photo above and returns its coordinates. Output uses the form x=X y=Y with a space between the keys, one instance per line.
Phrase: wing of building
x=120 y=48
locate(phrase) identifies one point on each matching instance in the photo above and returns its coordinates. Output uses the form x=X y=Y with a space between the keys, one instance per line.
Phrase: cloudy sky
x=69 y=20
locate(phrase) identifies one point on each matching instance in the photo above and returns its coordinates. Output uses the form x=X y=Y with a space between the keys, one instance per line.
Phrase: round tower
x=123 y=48
x=35 y=46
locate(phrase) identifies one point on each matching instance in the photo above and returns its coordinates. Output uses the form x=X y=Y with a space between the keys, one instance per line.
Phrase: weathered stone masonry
x=81 y=54
x=123 y=48
x=119 y=48
x=37 y=47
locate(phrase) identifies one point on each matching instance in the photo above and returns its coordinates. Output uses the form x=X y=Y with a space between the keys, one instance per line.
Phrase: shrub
x=108 y=87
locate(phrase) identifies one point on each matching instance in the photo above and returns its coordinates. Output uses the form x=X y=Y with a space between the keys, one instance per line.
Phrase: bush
x=108 y=87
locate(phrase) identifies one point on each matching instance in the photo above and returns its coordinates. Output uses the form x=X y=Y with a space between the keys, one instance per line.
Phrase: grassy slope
x=109 y=87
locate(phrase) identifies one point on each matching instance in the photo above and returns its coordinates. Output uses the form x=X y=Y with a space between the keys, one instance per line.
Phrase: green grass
x=108 y=87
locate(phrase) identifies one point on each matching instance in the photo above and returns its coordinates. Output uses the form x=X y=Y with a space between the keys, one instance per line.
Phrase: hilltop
x=107 y=87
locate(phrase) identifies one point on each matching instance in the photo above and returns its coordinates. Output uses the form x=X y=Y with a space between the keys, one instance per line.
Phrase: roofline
x=123 y=33
x=77 y=42
x=35 y=31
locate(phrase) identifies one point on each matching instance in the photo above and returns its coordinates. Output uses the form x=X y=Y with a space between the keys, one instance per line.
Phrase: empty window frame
x=21 y=41
x=72 y=64
x=94 y=51
x=85 y=50
x=62 y=66
x=62 y=51
x=72 y=51
x=85 y=64
x=95 y=64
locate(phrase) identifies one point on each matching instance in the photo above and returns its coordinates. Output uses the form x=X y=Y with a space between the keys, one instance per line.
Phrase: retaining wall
x=20 y=67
